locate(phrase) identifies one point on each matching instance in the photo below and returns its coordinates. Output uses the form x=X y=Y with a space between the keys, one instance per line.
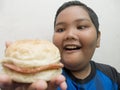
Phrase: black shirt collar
x=87 y=79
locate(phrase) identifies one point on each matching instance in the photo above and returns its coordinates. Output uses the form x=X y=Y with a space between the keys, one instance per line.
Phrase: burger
x=27 y=61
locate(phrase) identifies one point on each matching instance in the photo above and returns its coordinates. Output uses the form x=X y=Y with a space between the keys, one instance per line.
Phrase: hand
x=51 y=85
x=7 y=84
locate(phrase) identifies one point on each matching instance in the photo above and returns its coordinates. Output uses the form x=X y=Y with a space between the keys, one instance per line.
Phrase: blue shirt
x=102 y=77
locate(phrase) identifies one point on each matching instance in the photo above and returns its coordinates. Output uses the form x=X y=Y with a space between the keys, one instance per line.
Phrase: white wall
x=21 y=19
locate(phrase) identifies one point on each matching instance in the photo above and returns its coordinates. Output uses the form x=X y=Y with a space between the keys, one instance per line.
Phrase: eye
x=81 y=27
x=60 y=30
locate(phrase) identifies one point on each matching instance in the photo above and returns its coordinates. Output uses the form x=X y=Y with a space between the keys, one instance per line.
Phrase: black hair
x=91 y=13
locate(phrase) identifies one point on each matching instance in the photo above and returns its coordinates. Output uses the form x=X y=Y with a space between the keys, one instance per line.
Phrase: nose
x=71 y=34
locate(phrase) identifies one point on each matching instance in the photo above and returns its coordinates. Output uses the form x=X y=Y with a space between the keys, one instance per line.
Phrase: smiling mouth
x=72 y=47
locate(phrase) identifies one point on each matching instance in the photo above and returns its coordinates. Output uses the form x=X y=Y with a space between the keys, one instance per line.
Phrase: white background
x=25 y=19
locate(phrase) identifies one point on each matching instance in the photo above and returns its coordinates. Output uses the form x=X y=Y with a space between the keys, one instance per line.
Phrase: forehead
x=73 y=12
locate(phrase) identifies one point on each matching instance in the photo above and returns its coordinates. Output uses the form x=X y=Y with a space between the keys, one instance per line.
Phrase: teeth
x=71 y=47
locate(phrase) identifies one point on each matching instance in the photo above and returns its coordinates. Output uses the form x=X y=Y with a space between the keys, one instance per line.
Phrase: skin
x=74 y=28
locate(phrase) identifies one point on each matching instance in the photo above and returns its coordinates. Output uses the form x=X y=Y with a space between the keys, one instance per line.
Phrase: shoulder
x=107 y=69
x=110 y=71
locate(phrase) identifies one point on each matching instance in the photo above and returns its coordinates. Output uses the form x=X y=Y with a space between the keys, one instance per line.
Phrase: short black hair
x=91 y=13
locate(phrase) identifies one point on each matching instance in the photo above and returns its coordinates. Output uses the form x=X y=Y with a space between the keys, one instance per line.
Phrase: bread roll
x=25 y=61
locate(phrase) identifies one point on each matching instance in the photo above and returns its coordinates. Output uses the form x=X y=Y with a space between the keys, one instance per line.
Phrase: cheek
x=57 y=40
x=89 y=39
x=88 y=42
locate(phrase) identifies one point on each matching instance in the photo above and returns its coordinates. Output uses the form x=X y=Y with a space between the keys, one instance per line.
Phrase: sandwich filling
x=33 y=69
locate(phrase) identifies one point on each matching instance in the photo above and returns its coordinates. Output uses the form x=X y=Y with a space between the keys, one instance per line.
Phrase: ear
x=98 y=40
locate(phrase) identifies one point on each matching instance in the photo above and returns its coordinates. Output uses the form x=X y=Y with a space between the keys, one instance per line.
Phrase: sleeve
x=119 y=81
x=111 y=72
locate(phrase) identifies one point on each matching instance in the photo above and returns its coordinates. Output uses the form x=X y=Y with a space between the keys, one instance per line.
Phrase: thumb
x=39 y=85
x=8 y=43
x=56 y=82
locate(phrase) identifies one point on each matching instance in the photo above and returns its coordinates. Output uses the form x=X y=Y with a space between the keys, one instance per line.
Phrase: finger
x=63 y=86
x=39 y=85
x=5 y=80
x=20 y=86
x=8 y=43
x=57 y=81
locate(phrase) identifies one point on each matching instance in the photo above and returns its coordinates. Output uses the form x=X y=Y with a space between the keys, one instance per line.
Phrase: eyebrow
x=84 y=19
x=77 y=20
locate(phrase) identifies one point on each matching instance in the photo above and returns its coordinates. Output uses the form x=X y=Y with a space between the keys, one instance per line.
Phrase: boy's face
x=76 y=37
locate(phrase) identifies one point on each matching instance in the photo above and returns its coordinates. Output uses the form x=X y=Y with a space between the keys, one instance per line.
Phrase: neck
x=82 y=74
